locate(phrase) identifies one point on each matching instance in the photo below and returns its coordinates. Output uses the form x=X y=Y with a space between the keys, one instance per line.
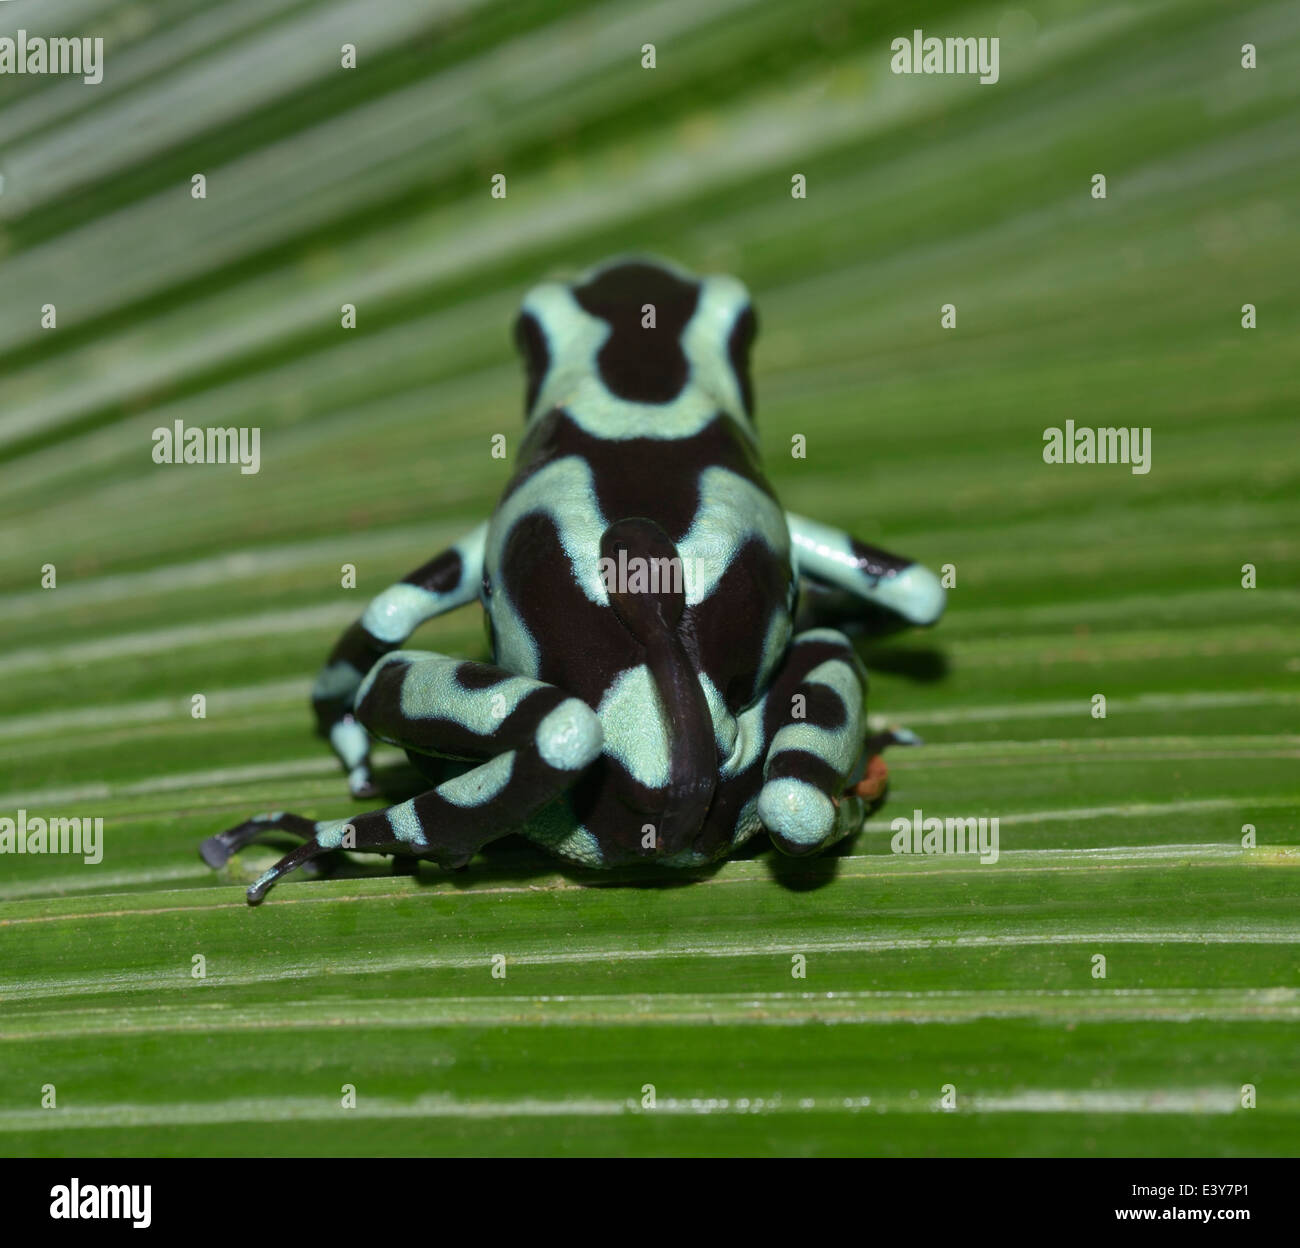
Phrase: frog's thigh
x=439 y=705
x=539 y=741
x=817 y=709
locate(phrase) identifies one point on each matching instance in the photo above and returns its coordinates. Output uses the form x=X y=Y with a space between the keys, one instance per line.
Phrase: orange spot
x=873 y=783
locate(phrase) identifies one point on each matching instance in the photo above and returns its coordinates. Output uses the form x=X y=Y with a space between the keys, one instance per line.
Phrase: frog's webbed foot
x=875 y=780
x=217 y=850
x=322 y=848
x=535 y=739
x=873 y=771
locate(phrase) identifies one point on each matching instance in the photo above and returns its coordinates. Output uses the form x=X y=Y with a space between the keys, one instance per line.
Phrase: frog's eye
x=531 y=342
x=743 y=333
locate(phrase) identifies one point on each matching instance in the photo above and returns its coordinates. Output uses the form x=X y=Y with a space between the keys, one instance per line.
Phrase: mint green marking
x=335 y=681
x=635 y=731
x=725 y=730
x=329 y=832
x=399 y=610
x=480 y=784
x=838 y=746
x=747 y=823
x=579 y=846
x=358 y=776
x=914 y=592
x=574 y=339
x=705 y=343
x=832 y=635
x=350 y=742
x=732 y=510
x=684 y=860
x=569 y=737
x=430 y=689
x=775 y=644
x=406 y=823
x=565 y=491
x=555 y=829
x=797 y=811
x=604 y=415
x=749 y=740
x=363 y=689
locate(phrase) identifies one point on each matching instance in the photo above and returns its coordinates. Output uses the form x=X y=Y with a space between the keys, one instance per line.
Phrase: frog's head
x=644 y=333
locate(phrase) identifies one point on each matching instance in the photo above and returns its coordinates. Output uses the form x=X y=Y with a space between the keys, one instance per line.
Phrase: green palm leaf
x=1120 y=837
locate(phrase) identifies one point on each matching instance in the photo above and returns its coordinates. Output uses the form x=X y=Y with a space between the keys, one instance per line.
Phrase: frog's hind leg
x=815 y=723
x=536 y=739
x=449 y=580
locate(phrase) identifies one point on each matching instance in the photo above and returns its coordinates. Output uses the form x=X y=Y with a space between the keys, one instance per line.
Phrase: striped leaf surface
x=947 y=1006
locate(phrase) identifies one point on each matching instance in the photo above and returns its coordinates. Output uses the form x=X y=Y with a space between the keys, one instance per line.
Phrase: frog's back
x=638 y=558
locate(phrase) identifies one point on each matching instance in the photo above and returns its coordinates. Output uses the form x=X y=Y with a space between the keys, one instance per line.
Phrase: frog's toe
x=361 y=784
x=883 y=733
x=215 y=852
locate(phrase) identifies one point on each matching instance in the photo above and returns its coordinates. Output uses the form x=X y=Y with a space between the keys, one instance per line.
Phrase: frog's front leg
x=449 y=580
x=537 y=741
x=814 y=717
x=851 y=578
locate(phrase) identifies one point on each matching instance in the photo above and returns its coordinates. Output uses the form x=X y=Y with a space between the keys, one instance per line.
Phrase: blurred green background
x=370 y=186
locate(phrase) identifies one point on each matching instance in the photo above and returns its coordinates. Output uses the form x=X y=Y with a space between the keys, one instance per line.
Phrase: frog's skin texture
x=663 y=717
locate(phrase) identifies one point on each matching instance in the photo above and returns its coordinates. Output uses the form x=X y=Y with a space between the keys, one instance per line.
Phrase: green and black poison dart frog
x=649 y=697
